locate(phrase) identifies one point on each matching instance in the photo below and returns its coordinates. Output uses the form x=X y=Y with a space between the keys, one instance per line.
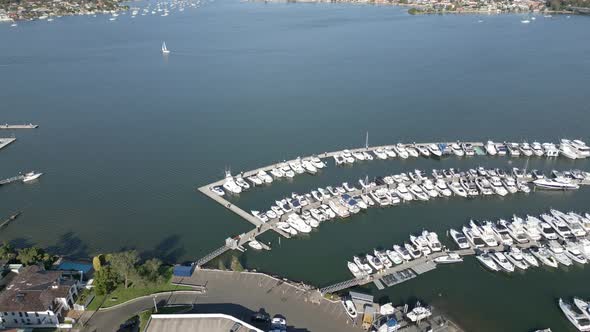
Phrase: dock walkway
x=23 y=126
x=5 y=141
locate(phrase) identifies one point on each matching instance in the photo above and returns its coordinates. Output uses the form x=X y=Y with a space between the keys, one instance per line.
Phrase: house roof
x=33 y=289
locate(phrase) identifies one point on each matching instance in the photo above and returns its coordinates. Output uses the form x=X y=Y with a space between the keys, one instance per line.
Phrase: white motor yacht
x=498 y=187
x=490 y=148
x=218 y=190
x=530 y=258
x=421 y=243
x=413 y=250
x=475 y=240
x=484 y=186
x=516 y=257
x=572 y=222
x=550 y=150
x=502 y=261
x=418 y=192
x=449 y=258
x=456 y=148
x=230 y=185
x=390 y=153
x=577 y=318
x=328 y=211
x=262 y=175
x=581 y=148
x=285 y=227
x=516 y=230
x=433 y=241
x=486 y=260
x=367 y=200
x=296 y=222
x=339 y=159
x=547 y=231
x=412 y=151
x=568 y=151
x=271 y=214
x=488 y=235
x=395 y=257
x=402 y=252
x=544 y=255
x=429 y=188
x=572 y=250
x=513 y=148
x=403 y=192
x=241 y=182
x=380 y=153
x=423 y=149
x=350 y=308
x=501 y=148
x=401 y=151
x=255 y=245
x=526 y=149
x=434 y=150
x=501 y=232
x=458 y=189
x=261 y=216
x=583 y=220
x=296 y=166
x=382 y=256
x=317 y=162
x=277 y=210
x=375 y=262
x=277 y=173
x=532 y=228
x=309 y=167
x=340 y=210
x=31 y=176
x=559 y=253
x=459 y=239
x=510 y=184
x=537 y=149
x=363 y=266
x=358 y=155
x=286 y=169
x=355 y=270
x=418 y=313
x=558 y=225
x=584 y=306
x=441 y=187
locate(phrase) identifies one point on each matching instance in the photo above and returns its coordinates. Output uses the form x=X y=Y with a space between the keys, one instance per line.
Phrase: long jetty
x=5 y=141
x=20 y=126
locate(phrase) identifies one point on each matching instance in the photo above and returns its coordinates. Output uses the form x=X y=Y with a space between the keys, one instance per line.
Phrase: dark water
x=127 y=135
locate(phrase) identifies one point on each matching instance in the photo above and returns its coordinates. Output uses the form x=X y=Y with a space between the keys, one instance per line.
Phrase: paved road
x=110 y=319
x=240 y=295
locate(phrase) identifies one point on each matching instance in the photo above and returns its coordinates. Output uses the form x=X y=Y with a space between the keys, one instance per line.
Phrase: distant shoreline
x=425 y=9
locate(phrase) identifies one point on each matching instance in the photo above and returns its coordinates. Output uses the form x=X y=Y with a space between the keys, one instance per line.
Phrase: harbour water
x=126 y=135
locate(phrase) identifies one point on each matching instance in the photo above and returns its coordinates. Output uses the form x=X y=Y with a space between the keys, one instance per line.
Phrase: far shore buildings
x=36 y=297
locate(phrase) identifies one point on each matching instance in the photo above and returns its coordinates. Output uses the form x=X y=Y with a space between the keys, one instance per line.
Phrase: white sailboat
x=165 y=50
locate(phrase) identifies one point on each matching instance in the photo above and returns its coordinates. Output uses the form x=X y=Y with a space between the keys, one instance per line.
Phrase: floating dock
x=23 y=126
x=5 y=141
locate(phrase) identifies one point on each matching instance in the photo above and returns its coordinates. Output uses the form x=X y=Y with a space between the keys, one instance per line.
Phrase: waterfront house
x=36 y=297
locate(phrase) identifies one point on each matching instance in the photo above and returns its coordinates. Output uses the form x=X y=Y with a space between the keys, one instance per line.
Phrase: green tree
x=150 y=271
x=33 y=255
x=7 y=251
x=123 y=264
x=105 y=280
x=97 y=262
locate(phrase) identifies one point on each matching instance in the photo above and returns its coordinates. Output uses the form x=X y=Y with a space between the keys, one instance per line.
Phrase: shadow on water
x=169 y=250
x=20 y=242
x=241 y=313
x=69 y=245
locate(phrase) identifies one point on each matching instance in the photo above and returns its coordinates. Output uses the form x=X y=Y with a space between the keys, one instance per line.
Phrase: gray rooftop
x=198 y=322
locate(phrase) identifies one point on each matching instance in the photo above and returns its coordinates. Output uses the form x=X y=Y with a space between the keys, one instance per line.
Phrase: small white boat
x=31 y=176
x=255 y=245
x=355 y=270
x=577 y=318
x=418 y=313
x=261 y=216
x=490 y=148
x=525 y=21
x=165 y=50
x=450 y=258
x=350 y=308
x=218 y=190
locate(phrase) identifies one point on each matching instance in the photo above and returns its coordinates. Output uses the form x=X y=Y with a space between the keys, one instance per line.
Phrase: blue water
x=74 y=266
x=127 y=135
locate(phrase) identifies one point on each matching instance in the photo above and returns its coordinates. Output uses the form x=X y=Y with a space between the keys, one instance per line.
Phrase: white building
x=36 y=298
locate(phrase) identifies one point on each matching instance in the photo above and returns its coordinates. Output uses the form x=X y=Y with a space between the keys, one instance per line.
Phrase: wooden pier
x=22 y=126
x=5 y=141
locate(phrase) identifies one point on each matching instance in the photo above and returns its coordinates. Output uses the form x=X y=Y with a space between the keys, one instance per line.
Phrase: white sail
x=164 y=48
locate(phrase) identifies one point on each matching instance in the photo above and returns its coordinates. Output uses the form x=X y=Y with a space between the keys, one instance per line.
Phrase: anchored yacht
x=502 y=261
x=579 y=319
x=486 y=260
x=459 y=239
x=31 y=176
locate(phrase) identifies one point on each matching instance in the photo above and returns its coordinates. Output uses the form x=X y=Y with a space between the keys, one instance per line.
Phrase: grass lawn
x=120 y=294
